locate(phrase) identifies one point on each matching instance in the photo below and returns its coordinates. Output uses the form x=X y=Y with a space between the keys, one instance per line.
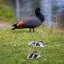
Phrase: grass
x=6 y=12
x=14 y=46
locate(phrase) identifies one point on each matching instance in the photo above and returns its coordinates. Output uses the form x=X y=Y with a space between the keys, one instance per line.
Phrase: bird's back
x=32 y=22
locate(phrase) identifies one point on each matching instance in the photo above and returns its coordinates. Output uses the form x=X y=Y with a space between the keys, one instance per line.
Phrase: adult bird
x=32 y=22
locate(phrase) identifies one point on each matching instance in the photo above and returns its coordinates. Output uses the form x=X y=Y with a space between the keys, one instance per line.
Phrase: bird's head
x=39 y=14
x=37 y=10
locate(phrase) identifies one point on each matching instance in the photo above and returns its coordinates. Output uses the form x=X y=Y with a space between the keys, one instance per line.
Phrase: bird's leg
x=33 y=30
x=30 y=29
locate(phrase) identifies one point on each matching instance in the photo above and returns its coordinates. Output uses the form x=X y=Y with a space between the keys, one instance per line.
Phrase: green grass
x=6 y=12
x=14 y=46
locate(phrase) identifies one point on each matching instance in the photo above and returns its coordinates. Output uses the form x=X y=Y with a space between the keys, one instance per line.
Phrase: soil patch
x=4 y=24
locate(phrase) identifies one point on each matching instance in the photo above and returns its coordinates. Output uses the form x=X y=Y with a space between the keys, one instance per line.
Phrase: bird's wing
x=21 y=23
x=32 y=21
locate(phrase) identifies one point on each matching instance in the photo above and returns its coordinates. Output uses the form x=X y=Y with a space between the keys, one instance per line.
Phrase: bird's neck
x=40 y=16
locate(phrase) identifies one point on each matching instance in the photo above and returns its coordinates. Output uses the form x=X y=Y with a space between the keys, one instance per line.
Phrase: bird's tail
x=14 y=26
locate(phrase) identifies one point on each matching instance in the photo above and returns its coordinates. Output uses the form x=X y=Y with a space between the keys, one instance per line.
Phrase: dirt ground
x=4 y=24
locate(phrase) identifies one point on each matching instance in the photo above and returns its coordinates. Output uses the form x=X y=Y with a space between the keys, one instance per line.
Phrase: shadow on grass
x=21 y=31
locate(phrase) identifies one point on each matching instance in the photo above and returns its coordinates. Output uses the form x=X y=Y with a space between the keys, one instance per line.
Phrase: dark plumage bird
x=32 y=22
